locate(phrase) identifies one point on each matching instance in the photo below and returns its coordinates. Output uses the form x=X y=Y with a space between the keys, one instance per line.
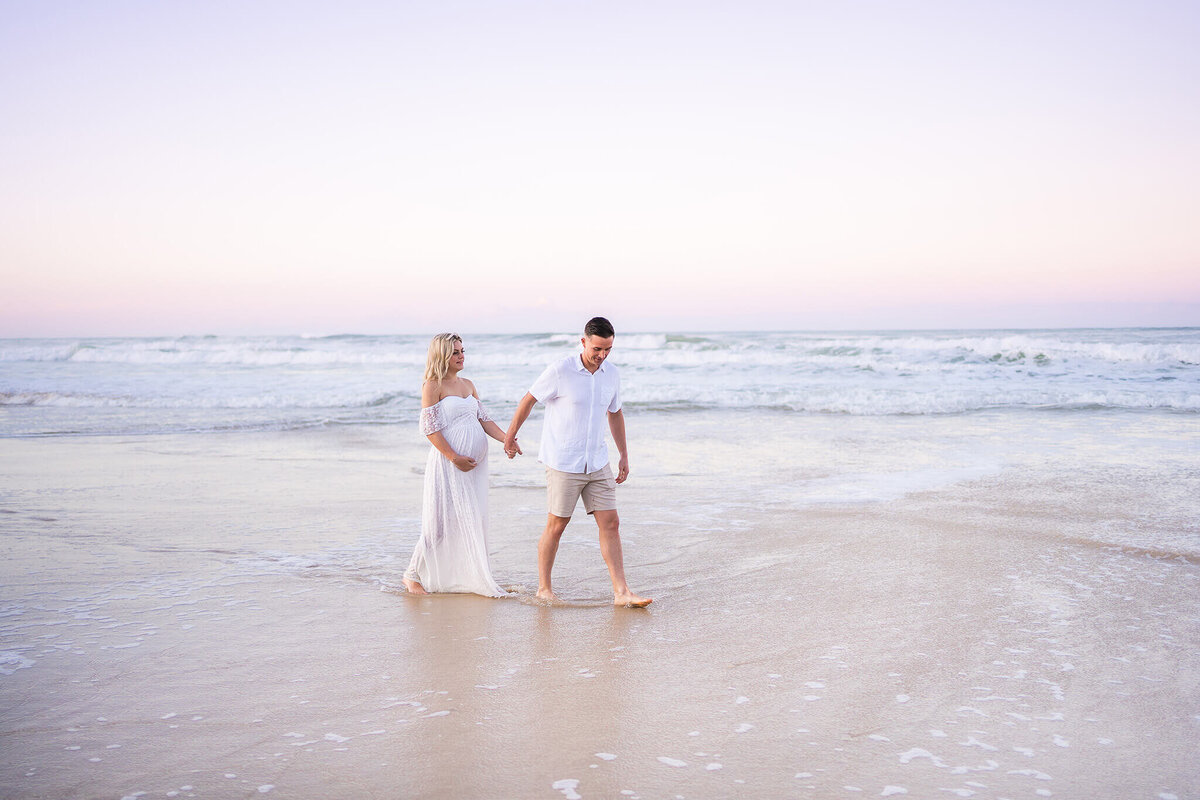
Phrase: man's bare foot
x=631 y=600
x=547 y=596
x=414 y=587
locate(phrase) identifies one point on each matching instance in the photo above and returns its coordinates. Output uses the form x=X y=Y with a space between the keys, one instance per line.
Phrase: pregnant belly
x=469 y=440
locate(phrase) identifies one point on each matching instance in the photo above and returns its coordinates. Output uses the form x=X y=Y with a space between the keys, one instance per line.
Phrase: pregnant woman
x=452 y=554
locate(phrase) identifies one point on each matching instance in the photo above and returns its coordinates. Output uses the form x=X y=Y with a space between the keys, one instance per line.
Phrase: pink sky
x=368 y=167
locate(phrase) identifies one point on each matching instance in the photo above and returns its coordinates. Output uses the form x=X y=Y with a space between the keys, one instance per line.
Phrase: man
x=579 y=392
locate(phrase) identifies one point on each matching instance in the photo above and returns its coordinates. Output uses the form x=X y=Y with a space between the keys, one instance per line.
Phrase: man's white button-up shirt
x=575 y=430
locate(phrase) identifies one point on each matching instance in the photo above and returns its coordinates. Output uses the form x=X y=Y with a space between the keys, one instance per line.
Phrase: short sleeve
x=546 y=386
x=432 y=419
x=482 y=413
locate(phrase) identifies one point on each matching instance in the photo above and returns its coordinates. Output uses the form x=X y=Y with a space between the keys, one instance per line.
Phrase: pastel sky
x=390 y=167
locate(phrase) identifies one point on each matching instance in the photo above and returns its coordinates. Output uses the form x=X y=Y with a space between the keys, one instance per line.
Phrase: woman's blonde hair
x=437 y=361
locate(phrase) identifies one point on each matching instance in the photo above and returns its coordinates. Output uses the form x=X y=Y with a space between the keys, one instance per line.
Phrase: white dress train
x=452 y=554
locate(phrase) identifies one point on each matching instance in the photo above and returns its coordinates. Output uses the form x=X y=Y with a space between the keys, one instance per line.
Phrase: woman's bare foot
x=547 y=596
x=631 y=600
x=414 y=587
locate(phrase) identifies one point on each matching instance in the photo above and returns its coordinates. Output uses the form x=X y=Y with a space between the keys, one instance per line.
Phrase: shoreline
x=183 y=629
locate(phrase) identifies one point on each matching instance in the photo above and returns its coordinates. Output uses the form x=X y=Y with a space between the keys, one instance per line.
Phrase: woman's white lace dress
x=452 y=555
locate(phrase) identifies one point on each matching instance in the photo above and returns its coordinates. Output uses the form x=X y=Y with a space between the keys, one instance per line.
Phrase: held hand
x=622 y=469
x=463 y=463
x=511 y=448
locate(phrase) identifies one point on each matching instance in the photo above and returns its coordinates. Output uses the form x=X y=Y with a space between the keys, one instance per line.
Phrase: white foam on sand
x=879 y=487
x=568 y=786
x=11 y=662
x=918 y=752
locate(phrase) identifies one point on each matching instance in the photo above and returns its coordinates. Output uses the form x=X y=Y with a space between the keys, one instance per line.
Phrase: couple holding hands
x=582 y=395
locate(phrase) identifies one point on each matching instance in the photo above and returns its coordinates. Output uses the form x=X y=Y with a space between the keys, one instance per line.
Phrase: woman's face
x=458 y=357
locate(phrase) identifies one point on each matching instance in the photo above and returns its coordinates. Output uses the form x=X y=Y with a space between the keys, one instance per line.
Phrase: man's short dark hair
x=598 y=326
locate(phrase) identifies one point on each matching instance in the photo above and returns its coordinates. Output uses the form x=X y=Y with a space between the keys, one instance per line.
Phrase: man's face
x=595 y=350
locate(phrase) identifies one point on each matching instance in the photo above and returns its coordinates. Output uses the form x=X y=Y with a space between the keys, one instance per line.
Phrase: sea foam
x=218 y=383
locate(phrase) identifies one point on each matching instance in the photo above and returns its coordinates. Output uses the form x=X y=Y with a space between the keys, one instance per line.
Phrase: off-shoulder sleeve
x=432 y=419
x=483 y=414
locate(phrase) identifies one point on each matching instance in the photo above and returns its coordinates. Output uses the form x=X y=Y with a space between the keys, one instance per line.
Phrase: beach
x=996 y=601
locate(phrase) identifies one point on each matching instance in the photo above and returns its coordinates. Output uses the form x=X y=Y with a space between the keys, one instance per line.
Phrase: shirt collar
x=579 y=367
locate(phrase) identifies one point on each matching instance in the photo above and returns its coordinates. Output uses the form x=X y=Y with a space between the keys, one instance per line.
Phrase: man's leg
x=547 y=550
x=609 y=523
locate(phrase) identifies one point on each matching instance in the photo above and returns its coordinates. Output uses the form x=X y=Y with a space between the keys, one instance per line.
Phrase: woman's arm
x=493 y=430
x=431 y=393
x=464 y=463
x=490 y=428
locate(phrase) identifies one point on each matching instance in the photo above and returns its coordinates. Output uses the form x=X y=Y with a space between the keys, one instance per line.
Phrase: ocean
x=785 y=412
x=220 y=383
x=892 y=562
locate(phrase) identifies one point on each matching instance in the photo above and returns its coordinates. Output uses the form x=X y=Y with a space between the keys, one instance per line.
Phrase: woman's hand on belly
x=463 y=463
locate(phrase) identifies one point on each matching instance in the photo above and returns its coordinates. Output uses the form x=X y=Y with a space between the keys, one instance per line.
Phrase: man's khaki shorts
x=563 y=489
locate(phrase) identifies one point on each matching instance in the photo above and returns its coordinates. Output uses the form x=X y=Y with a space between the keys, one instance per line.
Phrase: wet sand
x=220 y=617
